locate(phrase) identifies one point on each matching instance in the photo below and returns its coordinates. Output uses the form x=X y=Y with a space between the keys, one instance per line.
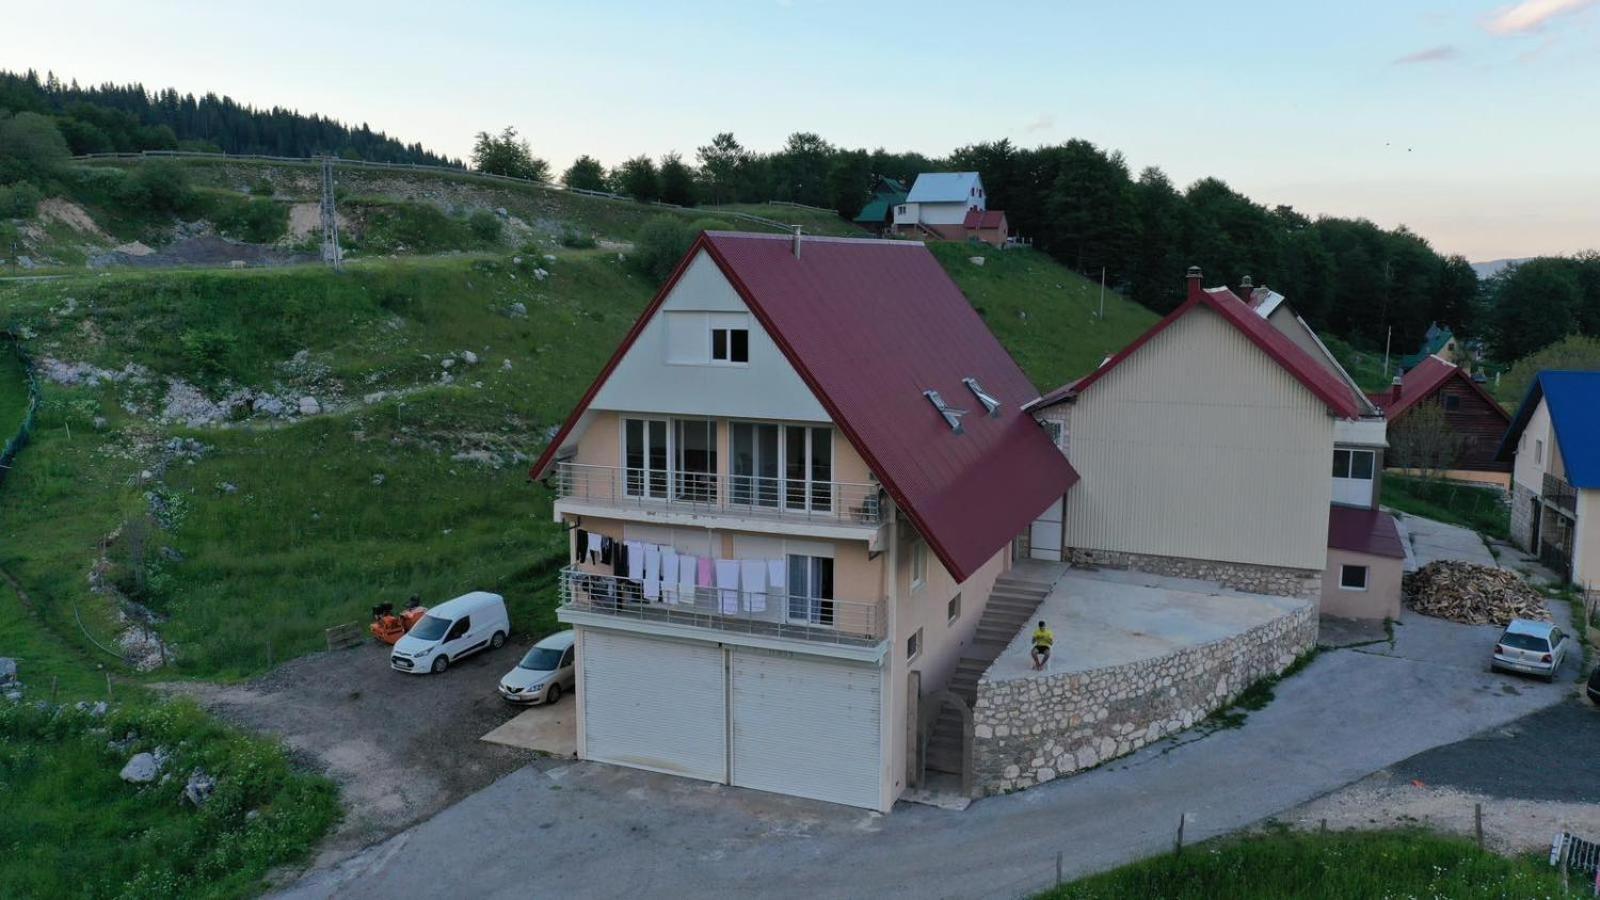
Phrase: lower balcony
x=846 y=623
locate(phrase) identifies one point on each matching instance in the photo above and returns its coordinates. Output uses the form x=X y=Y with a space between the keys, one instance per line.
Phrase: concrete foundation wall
x=1027 y=731
x=1522 y=517
x=1273 y=580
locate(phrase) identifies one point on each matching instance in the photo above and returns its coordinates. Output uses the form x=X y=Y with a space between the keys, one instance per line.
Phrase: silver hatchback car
x=1532 y=648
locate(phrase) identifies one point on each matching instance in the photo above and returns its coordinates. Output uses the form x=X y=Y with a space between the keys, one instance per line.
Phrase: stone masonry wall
x=1252 y=579
x=1027 y=731
x=1522 y=517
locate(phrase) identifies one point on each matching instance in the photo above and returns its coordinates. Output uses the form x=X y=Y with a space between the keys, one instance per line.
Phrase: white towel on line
x=635 y=560
x=778 y=576
x=687 y=566
x=652 y=572
x=669 y=575
x=593 y=548
x=728 y=585
x=753 y=578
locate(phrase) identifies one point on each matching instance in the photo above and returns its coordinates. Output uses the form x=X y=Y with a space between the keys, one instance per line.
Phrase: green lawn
x=1335 y=866
x=1044 y=314
x=811 y=221
x=1483 y=509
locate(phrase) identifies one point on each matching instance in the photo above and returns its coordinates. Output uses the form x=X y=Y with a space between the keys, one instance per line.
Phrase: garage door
x=1044 y=537
x=654 y=704
x=806 y=727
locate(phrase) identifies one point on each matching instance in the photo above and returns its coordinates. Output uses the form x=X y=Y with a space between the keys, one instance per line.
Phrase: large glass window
x=696 y=458
x=644 y=458
x=811 y=589
x=754 y=475
x=787 y=465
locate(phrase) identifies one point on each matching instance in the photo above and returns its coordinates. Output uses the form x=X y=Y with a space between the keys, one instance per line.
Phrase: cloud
x=1044 y=122
x=1441 y=53
x=1532 y=15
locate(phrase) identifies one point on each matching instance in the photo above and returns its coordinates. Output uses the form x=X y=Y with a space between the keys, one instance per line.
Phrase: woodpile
x=1473 y=594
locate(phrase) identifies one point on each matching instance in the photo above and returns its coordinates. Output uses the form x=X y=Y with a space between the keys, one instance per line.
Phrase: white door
x=1044 y=536
x=806 y=727
x=654 y=703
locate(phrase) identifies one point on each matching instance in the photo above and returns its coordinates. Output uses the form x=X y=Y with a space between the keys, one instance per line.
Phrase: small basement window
x=914 y=645
x=730 y=345
x=1352 y=578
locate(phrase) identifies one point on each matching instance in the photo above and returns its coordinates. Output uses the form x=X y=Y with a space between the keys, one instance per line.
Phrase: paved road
x=583 y=829
x=1553 y=754
x=1432 y=541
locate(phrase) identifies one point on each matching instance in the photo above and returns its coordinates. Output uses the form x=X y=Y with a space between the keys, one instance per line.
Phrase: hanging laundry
x=753 y=584
x=635 y=560
x=580 y=545
x=688 y=568
x=728 y=586
x=593 y=547
x=606 y=550
x=669 y=574
x=778 y=576
x=703 y=572
x=652 y=572
x=619 y=559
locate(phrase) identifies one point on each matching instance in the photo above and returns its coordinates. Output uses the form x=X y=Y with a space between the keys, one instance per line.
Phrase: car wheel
x=498 y=641
x=440 y=663
x=554 y=694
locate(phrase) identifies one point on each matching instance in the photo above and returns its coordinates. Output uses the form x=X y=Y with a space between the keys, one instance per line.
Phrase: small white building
x=941 y=199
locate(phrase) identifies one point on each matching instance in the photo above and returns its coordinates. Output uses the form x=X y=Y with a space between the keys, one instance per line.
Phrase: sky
x=1472 y=123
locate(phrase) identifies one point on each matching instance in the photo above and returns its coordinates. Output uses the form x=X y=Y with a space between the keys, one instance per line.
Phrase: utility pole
x=1102 y=293
x=1386 y=342
x=330 y=219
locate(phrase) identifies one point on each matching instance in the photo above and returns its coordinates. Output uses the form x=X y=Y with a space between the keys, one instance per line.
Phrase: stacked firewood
x=1473 y=594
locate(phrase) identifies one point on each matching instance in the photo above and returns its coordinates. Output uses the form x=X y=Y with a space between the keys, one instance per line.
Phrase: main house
x=1554 y=447
x=790 y=493
x=950 y=206
x=1468 y=447
x=1205 y=448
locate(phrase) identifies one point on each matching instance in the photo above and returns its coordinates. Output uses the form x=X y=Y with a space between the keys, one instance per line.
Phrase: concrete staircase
x=1011 y=606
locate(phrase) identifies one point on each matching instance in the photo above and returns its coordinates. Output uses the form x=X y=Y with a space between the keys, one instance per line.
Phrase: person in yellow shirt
x=1043 y=640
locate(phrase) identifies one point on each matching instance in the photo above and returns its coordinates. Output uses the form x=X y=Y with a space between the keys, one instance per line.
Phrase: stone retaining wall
x=1252 y=579
x=1027 y=731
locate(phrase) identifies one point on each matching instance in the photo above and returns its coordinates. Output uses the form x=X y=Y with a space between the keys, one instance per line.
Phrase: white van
x=451 y=630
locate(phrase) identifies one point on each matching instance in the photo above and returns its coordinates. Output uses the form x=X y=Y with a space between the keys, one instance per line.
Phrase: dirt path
x=401 y=747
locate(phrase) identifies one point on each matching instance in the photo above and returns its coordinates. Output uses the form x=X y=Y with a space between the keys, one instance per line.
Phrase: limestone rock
x=141 y=769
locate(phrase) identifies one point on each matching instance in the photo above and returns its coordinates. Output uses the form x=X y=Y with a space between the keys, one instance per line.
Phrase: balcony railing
x=1560 y=493
x=708 y=492
x=855 y=623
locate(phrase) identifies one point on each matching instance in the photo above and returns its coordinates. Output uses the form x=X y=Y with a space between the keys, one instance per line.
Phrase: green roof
x=877 y=209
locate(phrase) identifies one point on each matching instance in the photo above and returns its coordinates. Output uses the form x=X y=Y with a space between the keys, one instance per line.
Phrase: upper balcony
x=1559 y=493
x=797 y=505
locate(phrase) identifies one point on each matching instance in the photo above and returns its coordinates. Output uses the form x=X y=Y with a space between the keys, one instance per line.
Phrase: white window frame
x=919 y=564
x=727 y=345
x=952 y=610
x=914 y=645
x=1350 y=463
x=823 y=612
x=1366 y=577
x=646 y=490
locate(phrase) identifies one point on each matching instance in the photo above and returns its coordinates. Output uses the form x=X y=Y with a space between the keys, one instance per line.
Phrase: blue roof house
x=1554 y=446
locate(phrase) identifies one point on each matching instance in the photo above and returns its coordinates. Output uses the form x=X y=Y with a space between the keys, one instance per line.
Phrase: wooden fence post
x=1477 y=823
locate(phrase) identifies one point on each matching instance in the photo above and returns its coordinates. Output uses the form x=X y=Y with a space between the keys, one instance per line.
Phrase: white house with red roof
x=790 y=494
x=1205 y=449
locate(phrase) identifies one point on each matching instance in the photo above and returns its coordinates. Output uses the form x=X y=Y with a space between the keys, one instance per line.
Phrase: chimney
x=797 y=242
x=1194 y=282
x=1246 y=285
x=1394 y=389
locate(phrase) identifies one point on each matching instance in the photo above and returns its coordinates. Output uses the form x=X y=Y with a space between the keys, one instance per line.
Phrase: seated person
x=1043 y=639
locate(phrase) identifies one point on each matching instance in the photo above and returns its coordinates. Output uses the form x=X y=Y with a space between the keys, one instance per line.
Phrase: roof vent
x=990 y=404
x=952 y=417
x=797 y=242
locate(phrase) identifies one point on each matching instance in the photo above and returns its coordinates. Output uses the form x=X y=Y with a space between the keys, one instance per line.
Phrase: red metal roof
x=984 y=218
x=869 y=325
x=1364 y=531
x=1421 y=382
x=1325 y=384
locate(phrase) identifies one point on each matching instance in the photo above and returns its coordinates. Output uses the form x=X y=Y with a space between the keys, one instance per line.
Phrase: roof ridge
x=813 y=238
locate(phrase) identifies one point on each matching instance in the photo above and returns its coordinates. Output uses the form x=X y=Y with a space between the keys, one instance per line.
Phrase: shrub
x=31 y=147
x=257 y=220
x=19 y=201
x=262 y=188
x=208 y=351
x=485 y=226
x=160 y=186
x=659 y=244
x=577 y=240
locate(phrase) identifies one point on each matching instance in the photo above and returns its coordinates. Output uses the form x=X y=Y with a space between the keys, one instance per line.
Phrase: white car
x=451 y=630
x=1533 y=648
x=544 y=672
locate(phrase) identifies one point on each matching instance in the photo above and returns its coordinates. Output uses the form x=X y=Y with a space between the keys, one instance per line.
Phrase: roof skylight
x=990 y=404
x=952 y=417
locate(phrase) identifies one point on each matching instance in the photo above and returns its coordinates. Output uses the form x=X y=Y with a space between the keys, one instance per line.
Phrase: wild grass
x=811 y=221
x=13 y=391
x=1329 y=866
x=73 y=828
x=1482 y=509
x=1044 y=314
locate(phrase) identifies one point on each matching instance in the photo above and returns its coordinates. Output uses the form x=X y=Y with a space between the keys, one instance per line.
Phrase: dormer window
x=730 y=345
x=952 y=417
x=990 y=404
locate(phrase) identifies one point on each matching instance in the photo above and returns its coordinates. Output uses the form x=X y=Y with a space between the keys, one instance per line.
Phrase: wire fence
x=433 y=169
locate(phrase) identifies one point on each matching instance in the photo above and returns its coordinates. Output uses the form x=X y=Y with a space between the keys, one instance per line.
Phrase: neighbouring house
x=1554 y=447
x=950 y=206
x=1474 y=423
x=1438 y=341
x=878 y=213
x=790 y=493
x=1205 y=449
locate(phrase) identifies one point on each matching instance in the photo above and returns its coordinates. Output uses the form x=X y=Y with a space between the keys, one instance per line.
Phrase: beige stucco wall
x=1199 y=445
x=1527 y=470
x=1381 y=599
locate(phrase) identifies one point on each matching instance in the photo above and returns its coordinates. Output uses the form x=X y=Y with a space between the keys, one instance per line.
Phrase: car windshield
x=1524 y=641
x=540 y=659
x=431 y=628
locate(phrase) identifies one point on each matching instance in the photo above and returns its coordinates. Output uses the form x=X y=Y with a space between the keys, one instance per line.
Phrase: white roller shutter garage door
x=654 y=704
x=806 y=727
